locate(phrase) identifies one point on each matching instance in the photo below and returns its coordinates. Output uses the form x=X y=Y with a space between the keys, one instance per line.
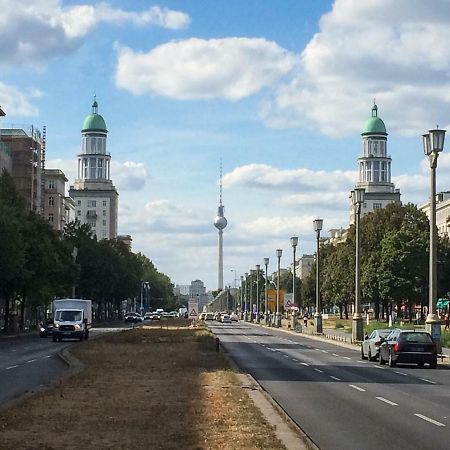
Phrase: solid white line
x=335 y=378
x=11 y=367
x=346 y=357
x=318 y=370
x=360 y=389
x=401 y=373
x=30 y=361
x=385 y=400
x=435 y=422
x=304 y=364
x=335 y=354
x=427 y=381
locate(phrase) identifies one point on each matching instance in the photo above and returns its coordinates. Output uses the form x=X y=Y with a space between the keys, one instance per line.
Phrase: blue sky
x=278 y=89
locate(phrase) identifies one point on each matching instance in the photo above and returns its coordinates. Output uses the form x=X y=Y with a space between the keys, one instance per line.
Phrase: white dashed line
x=324 y=351
x=335 y=354
x=401 y=373
x=427 y=381
x=11 y=367
x=335 y=378
x=305 y=364
x=434 y=422
x=293 y=359
x=318 y=349
x=48 y=356
x=378 y=367
x=286 y=356
x=360 y=389
x=318 y=370
x=346 y=357
x=30 y=361
x=385 y=400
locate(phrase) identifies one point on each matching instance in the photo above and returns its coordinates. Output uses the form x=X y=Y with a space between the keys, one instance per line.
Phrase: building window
x=104 y=212
x=104 y=202
x=51 y=217
x=376 y=171
x=51 y=201
x=92 y=203
x=377 y=206
x=85 y=167
x=51 y=184
x=383 y=171
x=79 y=212
x=104 y=223
x=79 y=202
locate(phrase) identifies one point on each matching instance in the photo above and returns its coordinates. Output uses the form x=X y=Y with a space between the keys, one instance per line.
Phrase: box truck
x=72 y=318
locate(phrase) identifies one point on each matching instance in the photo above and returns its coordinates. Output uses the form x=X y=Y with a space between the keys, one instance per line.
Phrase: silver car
x=370 y=347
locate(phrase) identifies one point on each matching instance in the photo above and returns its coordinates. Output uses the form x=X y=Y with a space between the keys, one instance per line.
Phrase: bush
x=339 y=325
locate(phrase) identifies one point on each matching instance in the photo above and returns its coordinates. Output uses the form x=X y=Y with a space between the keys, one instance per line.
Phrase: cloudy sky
x=278 y=89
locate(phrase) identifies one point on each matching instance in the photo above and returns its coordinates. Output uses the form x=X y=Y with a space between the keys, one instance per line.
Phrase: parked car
x=202 y=316
x=148 y=316
x=209 y=316
x=155 y=316
x=225 y=318
x=46 y=328
x=133 y=317
x=234 y=317
x=408 y=346
x=370 y=347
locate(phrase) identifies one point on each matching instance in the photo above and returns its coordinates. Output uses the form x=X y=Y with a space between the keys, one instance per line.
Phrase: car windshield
x=413 y=337
x=384 y=333
x=68 y=316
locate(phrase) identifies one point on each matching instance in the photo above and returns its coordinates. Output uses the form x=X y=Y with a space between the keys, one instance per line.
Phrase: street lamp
x=74 y=256
x=245 y=295
x=252 y=272
x=317 y=224
x=266 y=300
x=258 y=268
x=294 y=242
x=357 y=325
x=241 y=297
x=278 y=315
x=433 y=144
x=144 y=285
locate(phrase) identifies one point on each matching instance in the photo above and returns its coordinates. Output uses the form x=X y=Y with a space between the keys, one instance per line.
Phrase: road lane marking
x=48 y=356
x=324 y=351
x=318 y=349
x=304 y=364
x=427 y=381
x=346 y=357
x=318 y=370
x=293 y=359
x=428 y=419
x=11 y=367
x=286 y=356
x=30 y=361
x=378 y=367
x=360 y=389
x=335 y=378
x=385 y=400
x=401 y=373
x=335 y=354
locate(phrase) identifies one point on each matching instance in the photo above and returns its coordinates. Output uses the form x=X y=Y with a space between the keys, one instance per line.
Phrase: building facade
x=25 y=149
x=95 y=197
x=375 y=168
x=442 y=212
x=197 y=291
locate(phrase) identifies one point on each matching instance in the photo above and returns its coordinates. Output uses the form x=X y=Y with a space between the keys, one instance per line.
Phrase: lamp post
x=258 y=268
x=252 y=272
x=241 y=297
x=317 y=224
x=245 y=295
x=294 y=243
x=433 y=144
x=74 y=256
x=278 y=315
x=266 y=300
x=144 y=285
x=357 y=325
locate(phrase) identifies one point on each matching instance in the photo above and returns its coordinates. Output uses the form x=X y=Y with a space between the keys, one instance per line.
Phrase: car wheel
x=420 y=365
x=362 y=353
x=54 y=339
x=391 y=361
x=381 y=360
x=433 y=364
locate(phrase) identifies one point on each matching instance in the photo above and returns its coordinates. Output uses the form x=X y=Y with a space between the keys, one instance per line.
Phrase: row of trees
x=37 y=265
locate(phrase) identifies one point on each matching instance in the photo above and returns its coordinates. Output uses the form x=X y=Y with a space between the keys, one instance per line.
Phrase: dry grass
x=150 y=388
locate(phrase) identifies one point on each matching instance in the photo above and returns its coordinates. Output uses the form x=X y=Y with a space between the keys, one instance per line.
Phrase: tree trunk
x=346 y=310
x=6 y=326
x=377 y=309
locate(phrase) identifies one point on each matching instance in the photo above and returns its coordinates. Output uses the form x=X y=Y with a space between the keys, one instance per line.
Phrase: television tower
x=220 y=223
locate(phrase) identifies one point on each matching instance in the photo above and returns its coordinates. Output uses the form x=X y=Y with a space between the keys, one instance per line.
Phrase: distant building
x=304 y=266
x=95 y=197
x=25 y=149
x=126 y=239
x=182 y=289
x=197 y=291
x=442 y=212
x=57 y=207
x=375 y=168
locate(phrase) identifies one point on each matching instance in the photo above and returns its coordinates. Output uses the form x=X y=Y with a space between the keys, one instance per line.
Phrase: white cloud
x=230 y=68
x=394 y=50
x=33 y=30
x=15 y=102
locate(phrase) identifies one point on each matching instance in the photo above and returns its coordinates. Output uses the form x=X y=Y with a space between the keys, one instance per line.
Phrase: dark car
x=133 y=317
x=408 y=346
x=46 y=328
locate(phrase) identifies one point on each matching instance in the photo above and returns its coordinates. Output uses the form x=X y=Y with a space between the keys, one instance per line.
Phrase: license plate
x=66 y=333
x=417 y=349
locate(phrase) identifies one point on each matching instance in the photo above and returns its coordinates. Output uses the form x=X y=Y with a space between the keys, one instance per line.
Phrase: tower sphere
x=220 y=222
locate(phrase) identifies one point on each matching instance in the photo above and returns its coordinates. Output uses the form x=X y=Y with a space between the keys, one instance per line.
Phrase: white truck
x=72 y=318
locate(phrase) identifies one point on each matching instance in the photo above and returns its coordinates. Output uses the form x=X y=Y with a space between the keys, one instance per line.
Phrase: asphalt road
x=340 y=401
x=30 y=362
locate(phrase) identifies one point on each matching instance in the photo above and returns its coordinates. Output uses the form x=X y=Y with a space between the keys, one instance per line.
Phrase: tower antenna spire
x=220 y=189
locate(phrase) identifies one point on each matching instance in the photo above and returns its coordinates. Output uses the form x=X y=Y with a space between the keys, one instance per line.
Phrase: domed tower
x=220 y=223
x=375 y=167
x=96 y=198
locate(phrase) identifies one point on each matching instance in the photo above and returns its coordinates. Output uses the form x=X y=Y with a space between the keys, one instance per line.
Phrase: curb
x=286 y=430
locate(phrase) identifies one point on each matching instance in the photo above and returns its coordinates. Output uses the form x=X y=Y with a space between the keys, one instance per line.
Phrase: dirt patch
x=147 y=388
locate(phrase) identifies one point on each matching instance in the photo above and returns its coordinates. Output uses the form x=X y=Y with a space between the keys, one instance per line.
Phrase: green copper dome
x=374 y=125
x=94 y=121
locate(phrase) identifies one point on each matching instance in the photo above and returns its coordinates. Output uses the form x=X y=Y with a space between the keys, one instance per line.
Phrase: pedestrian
x=305 y=320
x=446 y=321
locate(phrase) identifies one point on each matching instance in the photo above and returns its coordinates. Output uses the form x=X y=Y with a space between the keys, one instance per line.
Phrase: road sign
x=193 y=310
x=289 y=301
